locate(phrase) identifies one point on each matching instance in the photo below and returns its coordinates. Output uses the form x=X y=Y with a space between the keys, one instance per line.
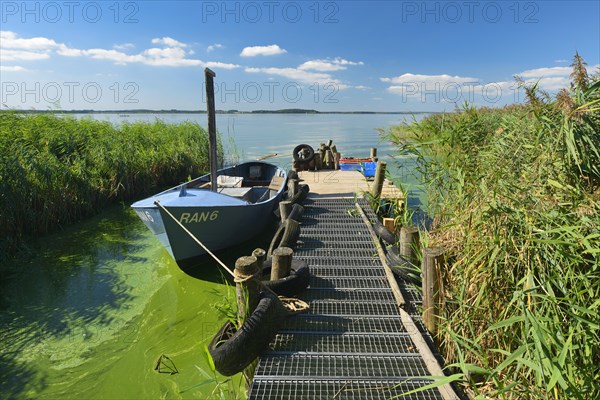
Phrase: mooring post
x=373 y=153
x=389 y=224
x=247 y=286
x=284 y=209
x=281 y=265
x=409 y=243
x=292 y=187
x=379 y=178
x=260 y=255
x=433 y=261
x=212 y=127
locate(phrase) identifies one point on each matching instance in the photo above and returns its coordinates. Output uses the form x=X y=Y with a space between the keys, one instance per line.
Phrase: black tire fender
x=232 y=350
x=383 y=233
x=291 y=285
x=301 y=195
x=296 y=213
x=310 y=153
x=286 y=236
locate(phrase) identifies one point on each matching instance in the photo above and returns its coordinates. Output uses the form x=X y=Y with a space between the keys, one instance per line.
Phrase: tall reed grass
x=516 y=198
x=57 y=169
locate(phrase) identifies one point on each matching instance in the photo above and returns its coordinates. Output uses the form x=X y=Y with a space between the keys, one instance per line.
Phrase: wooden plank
x=276 y=182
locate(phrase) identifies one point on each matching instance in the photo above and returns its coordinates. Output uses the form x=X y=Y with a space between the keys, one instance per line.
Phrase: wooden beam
x=212 y=126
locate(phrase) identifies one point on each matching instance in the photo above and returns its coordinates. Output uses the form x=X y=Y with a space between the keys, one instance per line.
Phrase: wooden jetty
x=362 y=337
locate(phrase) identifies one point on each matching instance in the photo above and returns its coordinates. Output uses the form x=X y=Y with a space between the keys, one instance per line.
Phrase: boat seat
x=243 y=193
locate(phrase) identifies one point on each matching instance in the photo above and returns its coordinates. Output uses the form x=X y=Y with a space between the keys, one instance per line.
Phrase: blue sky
x=328 y=55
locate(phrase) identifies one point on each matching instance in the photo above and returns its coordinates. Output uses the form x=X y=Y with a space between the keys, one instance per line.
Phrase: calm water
x=89 y=313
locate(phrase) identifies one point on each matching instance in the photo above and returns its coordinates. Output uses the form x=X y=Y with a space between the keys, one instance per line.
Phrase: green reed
x=55 y=170
x=516 y=198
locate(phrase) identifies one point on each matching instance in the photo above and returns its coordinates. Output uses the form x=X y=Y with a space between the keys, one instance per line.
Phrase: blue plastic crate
x=368 y=169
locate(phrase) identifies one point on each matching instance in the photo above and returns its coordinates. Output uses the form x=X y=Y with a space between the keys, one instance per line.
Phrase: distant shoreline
x=285 y=111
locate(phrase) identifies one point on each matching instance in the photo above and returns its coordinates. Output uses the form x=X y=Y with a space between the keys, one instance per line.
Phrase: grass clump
x=55 y=170
x=516 y=197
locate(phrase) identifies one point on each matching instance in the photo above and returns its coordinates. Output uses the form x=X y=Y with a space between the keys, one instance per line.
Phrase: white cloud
x=171 y=54
x=300 y=75
x=22 y=55
x=214 y=47
x=12 y=68
x=328 y=65
x=254 y=51
x=124 y=46
x=361 y=87
x=542 y=72
x=167 y=41
x=429 y=80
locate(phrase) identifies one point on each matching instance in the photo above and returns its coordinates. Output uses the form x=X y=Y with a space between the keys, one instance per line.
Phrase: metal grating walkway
x=352 y=343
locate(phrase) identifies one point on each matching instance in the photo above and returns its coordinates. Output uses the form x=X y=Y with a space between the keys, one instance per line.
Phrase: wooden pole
x=284 y=209
x=433 y=261
x=373 y=153
x=212 y=127
x=247 y=286
x=389 y=224
x=260 y=255
x=281 y=265
x=336 y=158
x=379 y=178
x=292 y=187
x=409 y=243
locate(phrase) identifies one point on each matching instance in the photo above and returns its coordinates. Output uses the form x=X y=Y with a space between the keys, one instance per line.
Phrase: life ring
x=233 y=350
x=286 y=236
x=291 y=285
x=303 y=153
x=384 y=233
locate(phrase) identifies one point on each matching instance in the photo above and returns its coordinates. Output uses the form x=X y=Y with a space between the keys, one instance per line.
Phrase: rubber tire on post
x=383 y=233
x=234 y=353
x=296 y=213
x=301 y=195
x=402 y=267
x=286 y=236
x=290 y=285
x=309 y=157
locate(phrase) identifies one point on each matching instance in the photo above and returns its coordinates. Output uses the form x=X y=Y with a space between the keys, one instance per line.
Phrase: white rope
x=195 y=238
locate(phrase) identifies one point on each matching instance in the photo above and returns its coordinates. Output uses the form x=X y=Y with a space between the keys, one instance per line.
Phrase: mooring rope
x=292 y=304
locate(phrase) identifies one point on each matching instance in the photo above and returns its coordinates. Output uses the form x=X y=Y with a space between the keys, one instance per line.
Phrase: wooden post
x=284 y=209
x=247 y=286
x=389 y=224
x=292 y=187
x=409 y=243
x=318 y=162
x=336 y=158
x=260 y=255
x=373 y=153
x=329 y=143
x=433 y=261
x=212 y=127
x=281 y=265
x=379 y=178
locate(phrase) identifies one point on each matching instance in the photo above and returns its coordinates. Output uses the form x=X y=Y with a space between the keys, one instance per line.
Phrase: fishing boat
x=237 y=208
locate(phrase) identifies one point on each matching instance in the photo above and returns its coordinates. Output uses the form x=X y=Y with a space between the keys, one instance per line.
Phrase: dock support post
x=284 y=209
x=281 y=264
x=379 y=178
x=433 y=261
x=260 y=255
x=247 y=286
x=409 y=243
x=292 y=187
x=212 y=127
x=373 y=153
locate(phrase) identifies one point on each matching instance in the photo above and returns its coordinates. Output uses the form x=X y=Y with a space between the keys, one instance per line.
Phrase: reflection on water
x=88 y=315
